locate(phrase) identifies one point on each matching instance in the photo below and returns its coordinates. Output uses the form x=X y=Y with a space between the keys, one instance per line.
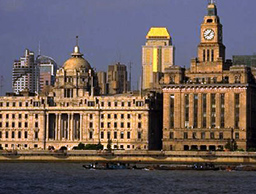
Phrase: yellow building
x=211 y=103
x=157 y=55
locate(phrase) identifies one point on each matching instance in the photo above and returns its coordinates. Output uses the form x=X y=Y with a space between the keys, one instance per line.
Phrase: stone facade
x=212 y=102
x=73 y=113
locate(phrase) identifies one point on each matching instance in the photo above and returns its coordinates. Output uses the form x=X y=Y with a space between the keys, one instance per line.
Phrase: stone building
x=117 y=79
x=73 y=113
x=157 y=54
x=212 y=102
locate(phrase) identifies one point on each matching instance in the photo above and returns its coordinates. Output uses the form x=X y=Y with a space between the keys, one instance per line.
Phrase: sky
x=115 y=30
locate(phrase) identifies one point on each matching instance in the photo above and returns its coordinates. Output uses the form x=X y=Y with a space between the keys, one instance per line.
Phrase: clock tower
x=211 y=51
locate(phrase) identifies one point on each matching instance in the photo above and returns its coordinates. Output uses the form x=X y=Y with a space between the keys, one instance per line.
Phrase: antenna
x=130 y=75
x=1 y=84
x=39 y=48
x=76 y=40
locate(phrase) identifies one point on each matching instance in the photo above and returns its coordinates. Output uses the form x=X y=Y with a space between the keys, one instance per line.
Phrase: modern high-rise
x=117 y=79
x=47 y=71
x=25 y=74
x=248 y=60
x=157 y=55
x=102 y=82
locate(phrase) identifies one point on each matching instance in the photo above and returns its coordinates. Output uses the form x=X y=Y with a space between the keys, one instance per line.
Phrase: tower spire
x=76 y=40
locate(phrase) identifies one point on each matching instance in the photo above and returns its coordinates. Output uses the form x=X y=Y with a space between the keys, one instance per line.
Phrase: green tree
x=109 y=145
x=231 y=145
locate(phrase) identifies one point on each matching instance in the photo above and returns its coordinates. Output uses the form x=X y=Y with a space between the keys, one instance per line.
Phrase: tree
x=231 y=145
x=109 y=145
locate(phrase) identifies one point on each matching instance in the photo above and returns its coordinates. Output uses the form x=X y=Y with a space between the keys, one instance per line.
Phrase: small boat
x=106 y=166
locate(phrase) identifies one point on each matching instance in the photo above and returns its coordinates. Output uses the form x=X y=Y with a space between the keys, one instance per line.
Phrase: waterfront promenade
x=153 y=157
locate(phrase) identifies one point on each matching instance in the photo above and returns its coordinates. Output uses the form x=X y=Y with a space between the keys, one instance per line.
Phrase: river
x=37 y=178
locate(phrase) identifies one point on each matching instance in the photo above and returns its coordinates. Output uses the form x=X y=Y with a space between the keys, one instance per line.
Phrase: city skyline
x=101 y=30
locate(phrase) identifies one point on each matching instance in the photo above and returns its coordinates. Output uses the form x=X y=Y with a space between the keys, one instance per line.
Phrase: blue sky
x=115 y=30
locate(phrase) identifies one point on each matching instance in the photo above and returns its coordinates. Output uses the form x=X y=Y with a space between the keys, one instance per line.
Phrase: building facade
x=47 y=71
x=102 y=82
x=72 y=113
x=25 y=73
x=248 y=60
x=157 y=55
x=117 y=79
x=211 y=103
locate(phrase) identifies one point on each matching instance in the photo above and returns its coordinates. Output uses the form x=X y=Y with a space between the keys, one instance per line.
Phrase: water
x=73 y=178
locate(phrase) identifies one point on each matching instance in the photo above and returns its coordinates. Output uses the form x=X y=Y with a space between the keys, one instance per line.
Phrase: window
x=115 y=104
x=128 y=116
x=7 y=104
x=221 y=135
x=237 y=110
x=102 y=134
x=20 y=104
x=195 y=110
x=212 y=135
x=19 y=134
x=13 y=124
x=203 y=135
x=213 y=110
x=91 y=116
x=222 y=110
x=108 y=134
x=0 y=134
x=13 y=116
x=185 y=135
x=109 y=104
x=6 y=134
x=139 y=135
x=128 y=125
x=35 y=146
x=171 y=135
x=122 y=116
x=1 y=116
x=115 y=124
x=36 y=124
x=102 y=104
x=186 y=110
x=19 y=124
x=109 y=116
x=237 y=135
x=102 y=125
x=115 y=135
x=109 y=124
x=122 y=104
x=7 y=116
x=1 y=104
x=122 y=135
x=172 y=111
x=139 y=116
x=91 y=124
x=129 y=104
x=26 y=135
x=6 y=124
x=20 y=116
x=122 y=125
x=90 y=135
x=36 y=116
x=194 y=135
x=26 y=125
x=102 y=116
x=13 y=104
x=128 y=135
x=0 y=124
x=139 y=125
x=36 y=134
x=115 y=116
x=91 y=103
x=26 y=116
x=204 y=111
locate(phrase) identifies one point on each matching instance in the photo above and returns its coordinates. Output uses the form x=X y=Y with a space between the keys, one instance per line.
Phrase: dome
x=76 y=61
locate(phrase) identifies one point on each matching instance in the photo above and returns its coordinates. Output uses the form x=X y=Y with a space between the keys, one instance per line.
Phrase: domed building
x=76 y=77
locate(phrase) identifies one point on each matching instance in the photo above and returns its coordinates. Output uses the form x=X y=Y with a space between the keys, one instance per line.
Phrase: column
x=56 y=127
x=71 y=126
x=47 y=126
x=81 y=126
x=59 y=126
x=68 y=130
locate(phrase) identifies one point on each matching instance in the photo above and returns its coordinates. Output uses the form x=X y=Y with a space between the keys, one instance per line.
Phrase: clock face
x=209 y=34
